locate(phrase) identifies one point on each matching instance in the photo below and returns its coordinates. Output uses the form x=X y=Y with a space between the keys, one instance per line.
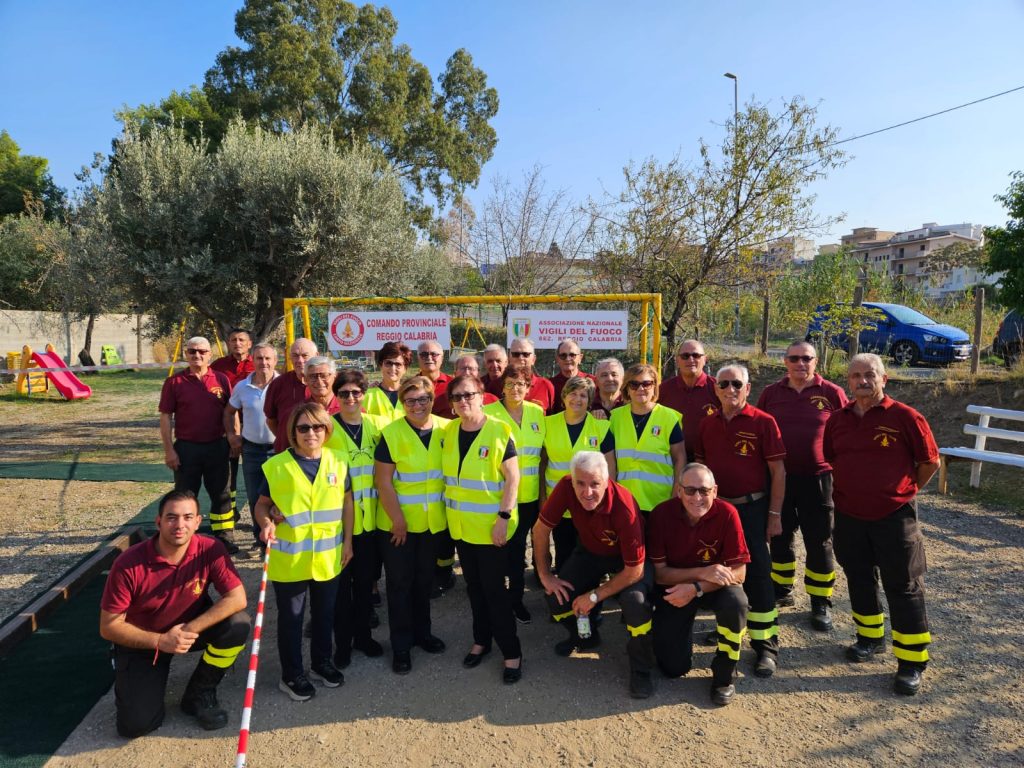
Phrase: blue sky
x=585 y=87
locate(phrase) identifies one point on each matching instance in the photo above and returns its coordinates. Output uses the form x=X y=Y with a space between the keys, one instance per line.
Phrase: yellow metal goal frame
x=650 y=311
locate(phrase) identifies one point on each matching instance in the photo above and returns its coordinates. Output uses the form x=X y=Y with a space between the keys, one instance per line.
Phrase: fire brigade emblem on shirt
x=706 y=551
x=709 y=409
x=745 y=443
x=655 y=430
x=197 y=586
x=484 y=452
x=885 y=436
x=610 y=538
x=821 y=403
x=217 y=392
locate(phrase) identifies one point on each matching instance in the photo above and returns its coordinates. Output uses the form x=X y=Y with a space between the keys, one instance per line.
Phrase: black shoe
x=512 y=675
x=431 y=644
x=327 y=673
x=445 y=579
x=765 y=665
x=299 y=689
x=472 y=660
x=369 y=647
x=864 y=649
x=907 y=681
x=401 y=663
x=374 y=620
x=821 y=616
x=576 y=643
x=203 y=706
x=226 y=538
x=522 y=615
x=436 y=592
x=640 y=684
x=722 y=694
x=784 y=600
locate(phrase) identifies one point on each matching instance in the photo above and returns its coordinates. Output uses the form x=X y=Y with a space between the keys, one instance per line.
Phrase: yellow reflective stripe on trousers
x=871 y=627
x=918 y=639
x=784 y=573
x=643 y=629
x=221 y=657
x=904 y=655
x=560 y=616
x=764 y=625
x=733 y=652
x=784 y=580
x=731 y=636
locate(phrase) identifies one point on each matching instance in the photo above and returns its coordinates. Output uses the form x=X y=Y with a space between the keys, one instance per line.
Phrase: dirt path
x=818 y=710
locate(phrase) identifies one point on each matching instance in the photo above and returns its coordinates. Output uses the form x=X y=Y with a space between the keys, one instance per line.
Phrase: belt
x=258 y=445
x=750 y=497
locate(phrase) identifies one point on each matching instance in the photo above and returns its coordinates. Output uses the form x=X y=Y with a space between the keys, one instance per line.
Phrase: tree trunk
x=89 y=326
x=764 y=323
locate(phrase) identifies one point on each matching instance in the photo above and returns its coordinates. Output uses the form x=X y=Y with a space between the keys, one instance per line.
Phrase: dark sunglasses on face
x=421 y=400
x=350 y=394
x=198 y=351
x=799 y=358
x=726 y=383
x=692 y=490
x=520 y=354
x=430 y=354
x=304 y=429
x=458 y=397
x=691 y=355
x=567 y=355
x=640 y=385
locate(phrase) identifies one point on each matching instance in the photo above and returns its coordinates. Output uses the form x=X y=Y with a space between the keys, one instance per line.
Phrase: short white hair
x=467 y=356
x=264 y=345
x=871 y=359
x=522 y=342
x=590 y=462
x=496 y=348
x=696 y=466
x=568 y=340
x=744 y=373
x=322 y=362
x=198 y=341
x=610 y=361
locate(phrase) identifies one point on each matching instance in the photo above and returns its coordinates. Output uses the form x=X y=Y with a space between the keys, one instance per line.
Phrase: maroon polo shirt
x=233 y=369
x=694 y=403
x=282 y=395
x=874 y=457
x=737 y=450
x=440 y=388
x=557 y=383
x=801 y=417
x=156 y=595
x=197 y=404
x=281 y=441
x=717 y=538
x=443 y=407
x=596 y=405
x=615 y=528
x=492 y=385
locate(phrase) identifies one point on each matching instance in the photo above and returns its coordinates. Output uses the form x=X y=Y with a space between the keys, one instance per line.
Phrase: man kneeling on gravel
x=156 y=605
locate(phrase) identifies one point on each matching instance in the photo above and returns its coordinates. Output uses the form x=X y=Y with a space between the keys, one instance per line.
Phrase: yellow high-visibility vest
x=310 y=539
x=529 y=440
x=560 y=451
x=360 y=468
x=644 y=465
x=376 y=403
x=418 y=479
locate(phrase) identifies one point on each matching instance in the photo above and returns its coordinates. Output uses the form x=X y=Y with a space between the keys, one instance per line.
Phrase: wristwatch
x=593 y=597
x=504 y=515
x=700 y=592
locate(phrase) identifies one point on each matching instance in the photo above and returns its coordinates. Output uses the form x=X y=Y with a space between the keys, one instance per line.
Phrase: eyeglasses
x=517 y=385
x=393 y=363
x=321 y=376
x=634 y=385
x=568 y=355
x=691 y=355
x=693 y=490
x=726 y=383
x=422 y=400
x=305 y=429
x=350 y=394
x=458 y=397
x=192 y=351
x=430 y=354
x=799 y=358
x=520 y=353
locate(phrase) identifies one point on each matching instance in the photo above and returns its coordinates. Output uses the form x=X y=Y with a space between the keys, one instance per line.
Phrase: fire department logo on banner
x=521 y=328
x=347 y=329
x=885 y=436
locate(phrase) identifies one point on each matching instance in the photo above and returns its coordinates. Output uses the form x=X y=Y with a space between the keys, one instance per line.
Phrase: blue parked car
x=905 y=334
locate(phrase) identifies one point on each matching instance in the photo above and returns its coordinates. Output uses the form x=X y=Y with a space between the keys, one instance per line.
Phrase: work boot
x=864 y=649
x=640 y=650
x=228 y=540
x=200 y=697
x=907 y=681
x=821 y=614
x=575 y=643
x=784 y=598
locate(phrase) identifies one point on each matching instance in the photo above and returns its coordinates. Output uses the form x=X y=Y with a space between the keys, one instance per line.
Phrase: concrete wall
x=37 y=329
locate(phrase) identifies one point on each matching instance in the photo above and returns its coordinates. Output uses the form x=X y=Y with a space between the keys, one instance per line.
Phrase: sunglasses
x=520 y=354
x=568 y=355
x=305 y=429
x=422 y=400
x=726 y=383
x=691 y=355
x=458 y=397
x=198 y=351
x=640 y=385
x=799 y=358
x=693 y=490
x=350 y=394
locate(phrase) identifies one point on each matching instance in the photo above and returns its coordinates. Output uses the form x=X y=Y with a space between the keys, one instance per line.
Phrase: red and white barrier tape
x=82 y=368
x=254 y=661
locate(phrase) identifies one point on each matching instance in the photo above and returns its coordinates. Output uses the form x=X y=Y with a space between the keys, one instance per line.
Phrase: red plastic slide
x=69 y=385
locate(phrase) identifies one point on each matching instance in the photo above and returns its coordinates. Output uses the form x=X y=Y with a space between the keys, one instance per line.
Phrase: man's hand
x=600 y=414
x=235 y=442
x=560 y=588
x=718 y=574
x=583 y=605
x=171 y=459
x=680 y=595
x=399 y=531
x=177 y=639
x=774 y=526
x=499 y=532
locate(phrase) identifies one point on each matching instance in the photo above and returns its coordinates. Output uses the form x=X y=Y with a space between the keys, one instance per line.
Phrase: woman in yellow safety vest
x=481 y=484
x=393 y=359
x=526 y=420
x=355 y=436
x=410 y=512
x=305 y=514
x=649 y=449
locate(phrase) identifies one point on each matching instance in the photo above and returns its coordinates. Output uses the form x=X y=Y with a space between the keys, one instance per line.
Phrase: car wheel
x=905 y=353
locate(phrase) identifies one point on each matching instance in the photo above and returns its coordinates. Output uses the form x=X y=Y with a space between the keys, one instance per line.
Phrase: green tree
x=26 y=176
x=267 y=216
x=191 y=110
x=689 y=228
x=1005 y=245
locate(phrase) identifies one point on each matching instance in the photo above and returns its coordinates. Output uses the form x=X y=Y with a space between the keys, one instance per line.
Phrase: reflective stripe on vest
x=360 y=459
x=418 y=479
x=644 y=465
x=529 y=439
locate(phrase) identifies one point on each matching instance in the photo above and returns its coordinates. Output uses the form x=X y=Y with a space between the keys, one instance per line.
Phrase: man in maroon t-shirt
x=743 y=447
x=288 y=389
x=465 y=365
x=495 y=363
x=611 y=543
x=882 y=453
x=568 y=357
x=431 y=357
x=156 y=605
x=523 y=357
x=801 y=402
x=236 y=365
x=696 y=544
x=191 y=408
x=692 y=392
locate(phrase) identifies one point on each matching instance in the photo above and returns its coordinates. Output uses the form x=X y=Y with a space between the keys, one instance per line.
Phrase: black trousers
x=763 y=618
x=409 y=572
x=585 y=570
x=291 y=608
x=807 y=507
x=892 y=548
x=565 y=539
x=673 y=632
x=445 y=553
x=355 y=589
x=516 y=547
x=206 y=464
x=484 y=566
x=140 y=685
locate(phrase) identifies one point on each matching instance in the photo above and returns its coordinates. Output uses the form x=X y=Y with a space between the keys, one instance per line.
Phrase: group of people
x=670 y=497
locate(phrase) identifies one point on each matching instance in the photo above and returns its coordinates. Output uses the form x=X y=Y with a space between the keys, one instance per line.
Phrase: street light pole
x=736 y=181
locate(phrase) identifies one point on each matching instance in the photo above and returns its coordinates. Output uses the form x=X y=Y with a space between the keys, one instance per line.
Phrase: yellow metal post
x=644 y=311
x=177 y=345
x=307 y=328
x=289 y=331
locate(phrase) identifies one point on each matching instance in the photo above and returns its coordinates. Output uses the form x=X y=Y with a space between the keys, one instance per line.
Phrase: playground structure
x=179 y=344
x=55 y=371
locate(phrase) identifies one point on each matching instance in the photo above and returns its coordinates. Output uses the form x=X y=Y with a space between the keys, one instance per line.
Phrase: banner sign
x=591 y=330
x=371 y=330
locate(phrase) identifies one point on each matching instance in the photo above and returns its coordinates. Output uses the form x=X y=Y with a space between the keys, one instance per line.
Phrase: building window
x=920 y=265
x=901 y=253
x=922 y=246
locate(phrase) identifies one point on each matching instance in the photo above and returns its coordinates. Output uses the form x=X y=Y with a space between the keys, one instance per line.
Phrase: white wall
x=37 y=329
